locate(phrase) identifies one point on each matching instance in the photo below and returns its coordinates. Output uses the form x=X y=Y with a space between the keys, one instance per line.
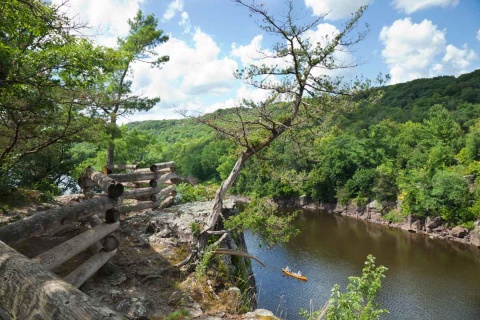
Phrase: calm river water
x=426 y=278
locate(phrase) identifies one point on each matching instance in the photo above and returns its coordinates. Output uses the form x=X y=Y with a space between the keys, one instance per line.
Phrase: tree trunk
x=28 y=291
x=222 y=191
x=46 y=220
x=111 y=143
x=87 y=269
x=70 y=248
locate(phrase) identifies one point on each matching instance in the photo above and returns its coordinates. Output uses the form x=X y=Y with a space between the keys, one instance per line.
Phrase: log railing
x=28 y=289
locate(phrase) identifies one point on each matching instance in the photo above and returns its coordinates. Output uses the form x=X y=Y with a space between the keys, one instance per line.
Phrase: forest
x=416 y=143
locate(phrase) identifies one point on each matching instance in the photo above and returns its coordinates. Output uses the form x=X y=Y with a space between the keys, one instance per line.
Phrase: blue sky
x=209 y=39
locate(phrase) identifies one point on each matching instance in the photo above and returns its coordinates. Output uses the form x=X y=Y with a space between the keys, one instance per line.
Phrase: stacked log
x=70 y=248
x=28 y=291
x=108 y=185
x=44 y=221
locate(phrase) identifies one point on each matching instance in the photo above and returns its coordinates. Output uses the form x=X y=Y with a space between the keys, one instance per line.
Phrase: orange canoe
x=294 y=275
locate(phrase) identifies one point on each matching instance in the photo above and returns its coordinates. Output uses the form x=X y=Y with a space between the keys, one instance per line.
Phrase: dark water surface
x=426 y=278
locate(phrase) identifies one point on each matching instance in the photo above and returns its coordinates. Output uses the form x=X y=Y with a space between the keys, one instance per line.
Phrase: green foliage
x=395 y=216
x=451 y=196
x=190 y=193
x=358 y=302
x=178 y=315
x=261 y=216
x=47 y=74
x=202 y=266
x=195 y=228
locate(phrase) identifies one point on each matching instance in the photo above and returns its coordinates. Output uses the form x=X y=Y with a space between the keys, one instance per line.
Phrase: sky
x=210 y=39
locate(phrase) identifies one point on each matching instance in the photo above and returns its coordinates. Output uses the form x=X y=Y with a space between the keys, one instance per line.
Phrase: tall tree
x=138 y=46
x=45 y=71
x=300 y=90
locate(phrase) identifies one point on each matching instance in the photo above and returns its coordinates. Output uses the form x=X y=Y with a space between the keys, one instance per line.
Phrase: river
x=426 y=278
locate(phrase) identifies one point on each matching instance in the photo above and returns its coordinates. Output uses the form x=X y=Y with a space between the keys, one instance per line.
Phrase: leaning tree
x=298 y=75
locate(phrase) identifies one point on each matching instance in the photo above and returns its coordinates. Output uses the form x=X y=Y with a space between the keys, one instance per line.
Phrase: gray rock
x=475 y=234
x=459 y=232
x=175 y=298
x=432 y=223
x=260 y=314
x=416 y=226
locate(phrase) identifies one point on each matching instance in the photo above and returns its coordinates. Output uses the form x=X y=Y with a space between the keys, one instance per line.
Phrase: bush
x=188 y=193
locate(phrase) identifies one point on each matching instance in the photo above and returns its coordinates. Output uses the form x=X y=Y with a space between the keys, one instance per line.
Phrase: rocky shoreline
x=374 y=212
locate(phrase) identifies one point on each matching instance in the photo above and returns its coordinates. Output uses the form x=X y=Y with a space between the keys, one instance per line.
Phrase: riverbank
x=375 y=212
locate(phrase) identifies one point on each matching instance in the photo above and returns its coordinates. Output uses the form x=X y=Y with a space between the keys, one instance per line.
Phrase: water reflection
x=427 y=278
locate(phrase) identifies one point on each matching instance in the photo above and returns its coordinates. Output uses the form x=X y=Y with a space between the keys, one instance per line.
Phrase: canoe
x=294 y=275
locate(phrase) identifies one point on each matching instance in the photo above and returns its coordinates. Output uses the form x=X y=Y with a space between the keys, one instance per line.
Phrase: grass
x=178 y=314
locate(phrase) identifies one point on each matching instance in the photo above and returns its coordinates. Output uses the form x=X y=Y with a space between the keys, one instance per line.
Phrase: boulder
x=373 y=205
x=416 y=226
x=432 y=223
x=475 y=234
x=260 y=314
x=459 y=232
x=339 y=209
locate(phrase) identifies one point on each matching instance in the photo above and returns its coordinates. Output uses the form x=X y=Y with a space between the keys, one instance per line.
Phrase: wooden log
x=141 y=205
x=107 y=184
x=87 y=269
x=162 y=179
x=162 y=165
x=28 y=291
x=112 y=216
x=164 y=170
x=140 y=192
x=133 y=184
x=124 y=167
x=167 y=202
x=97 y=246
x=46 y=220
x=162 y=194
x=134 y=176
x=68 y=249
x=86 y=183
x=110 y=243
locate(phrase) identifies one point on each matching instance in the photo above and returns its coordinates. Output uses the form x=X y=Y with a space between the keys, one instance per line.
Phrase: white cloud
x=478 y=35
x=185 y=22
x=172 y=9
x=459 y=59
x=410 y=48
x=410 y=6
x=419 y=50
x=109 y=16
x=192 y=74
x=336 y=9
